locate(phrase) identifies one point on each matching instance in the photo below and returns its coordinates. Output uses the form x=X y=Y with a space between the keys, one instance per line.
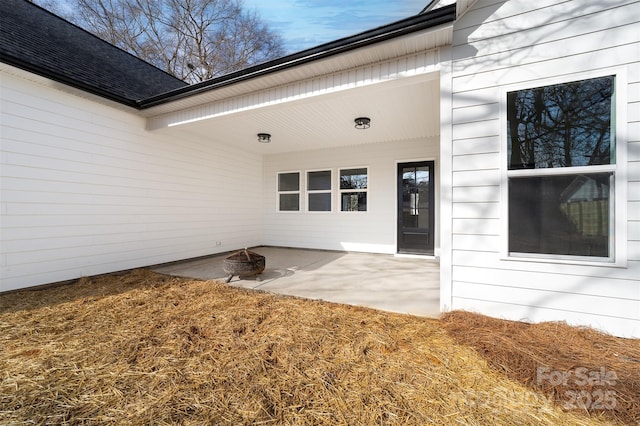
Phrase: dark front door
x=415 y=207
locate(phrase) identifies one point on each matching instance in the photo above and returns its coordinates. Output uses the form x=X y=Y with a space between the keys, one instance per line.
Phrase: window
x=561 y=169
x=319 y=191
x=353 y=190
x=289 y=192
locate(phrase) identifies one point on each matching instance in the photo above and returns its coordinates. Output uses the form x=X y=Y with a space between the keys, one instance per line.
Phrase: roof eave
x=60 y=78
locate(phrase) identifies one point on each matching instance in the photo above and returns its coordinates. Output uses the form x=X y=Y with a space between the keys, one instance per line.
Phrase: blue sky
x=309 y=23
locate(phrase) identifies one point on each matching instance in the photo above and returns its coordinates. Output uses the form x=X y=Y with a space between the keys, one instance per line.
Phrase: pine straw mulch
x=579 y=368
x=143 y=348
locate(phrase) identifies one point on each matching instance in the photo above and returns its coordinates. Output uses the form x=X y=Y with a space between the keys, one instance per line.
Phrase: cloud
x=308 y=23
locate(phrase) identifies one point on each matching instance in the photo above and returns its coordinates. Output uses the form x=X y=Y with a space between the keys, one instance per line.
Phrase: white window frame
x=346 y=191
x=618 y=192
x=299 y=192
x=319 y=191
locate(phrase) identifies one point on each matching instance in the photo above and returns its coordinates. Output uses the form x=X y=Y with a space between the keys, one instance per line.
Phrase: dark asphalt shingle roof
x=40 y=42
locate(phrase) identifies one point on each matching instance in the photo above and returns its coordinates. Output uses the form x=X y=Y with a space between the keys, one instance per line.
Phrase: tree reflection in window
x=564 y=125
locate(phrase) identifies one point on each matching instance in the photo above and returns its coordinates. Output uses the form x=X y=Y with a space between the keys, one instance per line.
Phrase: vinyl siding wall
x=87 y=190
x=502 y=43
x=371 y=231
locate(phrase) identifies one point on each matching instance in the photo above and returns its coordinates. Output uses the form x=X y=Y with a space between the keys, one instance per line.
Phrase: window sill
x=564 y=260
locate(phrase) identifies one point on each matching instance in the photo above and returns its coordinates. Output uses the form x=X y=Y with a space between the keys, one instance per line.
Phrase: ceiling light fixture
x=363 y=122
x=264 y=137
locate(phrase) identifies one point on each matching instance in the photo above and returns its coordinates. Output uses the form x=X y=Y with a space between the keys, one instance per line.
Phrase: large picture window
x=353 y=190
x=289 y=192
x=319 y=191
x=561 y=169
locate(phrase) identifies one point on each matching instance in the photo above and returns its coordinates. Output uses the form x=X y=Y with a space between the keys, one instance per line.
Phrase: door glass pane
x=318 y=181
x=320 y=202
x=409 y=178
x=289 y=202
x=422 y=176
x=409 y=219
x=562 y=215
x=289 y=182
x=423 y=219
x=415 y=197
x=409 y=198
x=562 y=125
x=422 y=181
x=423 y=197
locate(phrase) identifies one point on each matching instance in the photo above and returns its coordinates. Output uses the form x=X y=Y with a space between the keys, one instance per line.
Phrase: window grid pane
x=561 y=215
x=289 y=182
x=319 y=181
x=562 y=125
x=353 y=179
x=354 y=202
x=289 y=202
x=320 y=202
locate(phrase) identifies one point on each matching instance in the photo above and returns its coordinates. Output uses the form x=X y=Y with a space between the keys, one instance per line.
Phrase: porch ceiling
x=399 y=110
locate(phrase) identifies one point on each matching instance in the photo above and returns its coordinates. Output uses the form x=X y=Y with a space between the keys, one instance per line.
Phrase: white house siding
x=85 y=189
x=502 y=43
x=371 y=231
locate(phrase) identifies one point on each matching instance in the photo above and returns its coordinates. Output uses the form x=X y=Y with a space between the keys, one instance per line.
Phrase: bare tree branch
x=194 y=40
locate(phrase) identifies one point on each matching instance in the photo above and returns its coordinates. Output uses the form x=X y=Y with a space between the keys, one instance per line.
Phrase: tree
x=561 y=125
x=194 y=40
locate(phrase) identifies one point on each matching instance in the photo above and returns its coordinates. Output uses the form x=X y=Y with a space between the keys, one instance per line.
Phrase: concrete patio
x=391 y=283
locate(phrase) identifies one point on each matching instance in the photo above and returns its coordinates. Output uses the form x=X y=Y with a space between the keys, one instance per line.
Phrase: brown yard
x=142 y=348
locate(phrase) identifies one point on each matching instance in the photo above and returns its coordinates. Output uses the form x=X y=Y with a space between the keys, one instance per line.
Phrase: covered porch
x=308 y=109
x=312 y=135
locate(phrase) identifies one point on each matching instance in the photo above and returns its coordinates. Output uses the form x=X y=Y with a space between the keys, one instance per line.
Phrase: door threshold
x=416 y=256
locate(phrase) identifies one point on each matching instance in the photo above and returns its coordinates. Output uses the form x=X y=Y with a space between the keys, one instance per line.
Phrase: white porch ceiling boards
x=398 y=112
x=395 y=69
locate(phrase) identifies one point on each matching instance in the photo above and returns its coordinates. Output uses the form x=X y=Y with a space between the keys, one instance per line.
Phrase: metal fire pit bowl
x=243 y=263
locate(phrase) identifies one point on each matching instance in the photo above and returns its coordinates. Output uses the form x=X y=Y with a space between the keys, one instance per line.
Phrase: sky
x=308 y=23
